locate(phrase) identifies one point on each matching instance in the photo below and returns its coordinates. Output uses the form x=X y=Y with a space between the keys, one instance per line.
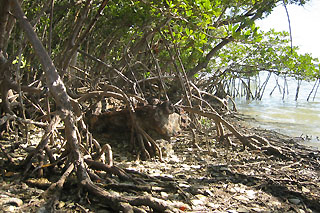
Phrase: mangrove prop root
x=62 y=99
x=254 y=142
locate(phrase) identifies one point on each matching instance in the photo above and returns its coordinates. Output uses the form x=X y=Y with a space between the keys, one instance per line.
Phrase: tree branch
x=204 y=63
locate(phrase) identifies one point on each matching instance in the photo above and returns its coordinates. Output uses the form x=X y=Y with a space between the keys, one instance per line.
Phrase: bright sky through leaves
x=304 y=25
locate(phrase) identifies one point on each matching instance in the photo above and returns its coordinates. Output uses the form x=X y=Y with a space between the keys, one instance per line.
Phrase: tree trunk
x=56 y=87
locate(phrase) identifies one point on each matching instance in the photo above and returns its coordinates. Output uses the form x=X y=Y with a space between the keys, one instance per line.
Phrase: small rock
x=256 y=209
x=208 y=192
x=184 y=185
x=305 y=190
x=197 y=202
x=295 y=201
x=103 y=211
x=174 y=159
x=242 y=210
x=251 y=194
x=202 y=200
x=61 y=204
x=201 y=197
x=20 y=158
x=232 y=190
x=212 y=205
x=237 y=189
x=276 y=203
x=242 y=198
x=164 y=195
x=195 y=166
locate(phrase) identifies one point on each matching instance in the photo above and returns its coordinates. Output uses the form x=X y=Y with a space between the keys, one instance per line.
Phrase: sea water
x=283 y=114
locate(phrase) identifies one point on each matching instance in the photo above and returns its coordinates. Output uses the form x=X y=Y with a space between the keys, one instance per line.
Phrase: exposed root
x=10 y=200
x=145 y=142
x=9 y=117
x=43 y=143
x=254 y=142
x=155 y=203
x=52 y=194
x=122 y=203
x=73 y=157
x=109 y=169
x=7 y=155
x=106 y=149
x=150 y=139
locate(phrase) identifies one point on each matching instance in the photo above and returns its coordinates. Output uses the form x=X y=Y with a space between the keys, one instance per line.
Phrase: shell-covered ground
x=198 y=175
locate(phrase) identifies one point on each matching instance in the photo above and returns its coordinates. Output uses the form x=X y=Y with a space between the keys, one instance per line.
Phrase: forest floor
x=206 y=177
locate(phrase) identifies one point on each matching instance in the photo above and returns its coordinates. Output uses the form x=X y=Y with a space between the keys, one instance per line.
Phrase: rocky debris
x=203 y=178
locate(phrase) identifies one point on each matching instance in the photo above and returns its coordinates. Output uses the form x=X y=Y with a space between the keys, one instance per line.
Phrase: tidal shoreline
x=253 y=122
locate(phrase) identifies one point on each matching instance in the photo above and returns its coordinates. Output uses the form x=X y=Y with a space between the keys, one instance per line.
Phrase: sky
x=305 y=25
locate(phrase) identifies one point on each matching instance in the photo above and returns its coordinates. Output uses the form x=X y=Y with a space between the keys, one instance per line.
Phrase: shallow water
x=290 y=117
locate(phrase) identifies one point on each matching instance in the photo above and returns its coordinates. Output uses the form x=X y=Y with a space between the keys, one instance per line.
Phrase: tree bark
x=4 y=16
x=56 y=87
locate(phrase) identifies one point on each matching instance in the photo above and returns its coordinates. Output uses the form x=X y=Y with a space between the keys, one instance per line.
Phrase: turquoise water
x=299 y=118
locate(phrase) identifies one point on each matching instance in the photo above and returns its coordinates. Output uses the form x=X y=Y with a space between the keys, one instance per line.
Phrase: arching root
x=253 y=142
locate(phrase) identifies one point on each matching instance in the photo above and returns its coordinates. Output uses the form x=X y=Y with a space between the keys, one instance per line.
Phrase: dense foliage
x=144 y=39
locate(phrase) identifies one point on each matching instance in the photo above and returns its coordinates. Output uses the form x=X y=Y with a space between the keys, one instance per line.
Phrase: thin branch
x=159 y=71
x=290 y=32
x=50 y=27
x=107 y=65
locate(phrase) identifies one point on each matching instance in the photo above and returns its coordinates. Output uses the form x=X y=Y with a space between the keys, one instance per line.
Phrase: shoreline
x=304 y=139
